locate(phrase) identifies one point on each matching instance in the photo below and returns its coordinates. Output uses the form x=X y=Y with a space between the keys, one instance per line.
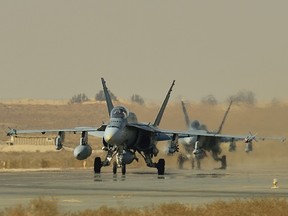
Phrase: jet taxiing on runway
x=123 y=136
x=196 y=146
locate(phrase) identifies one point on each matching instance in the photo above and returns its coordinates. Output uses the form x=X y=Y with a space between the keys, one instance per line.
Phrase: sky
x=58 y=48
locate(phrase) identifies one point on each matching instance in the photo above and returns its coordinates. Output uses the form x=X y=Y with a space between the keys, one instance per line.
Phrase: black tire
x=198 y=164
x=161 y=166
x=180 y=161
x=114 y=167
x=97 y=165
x=223 y=162
x=123 y=169
x=193 y=163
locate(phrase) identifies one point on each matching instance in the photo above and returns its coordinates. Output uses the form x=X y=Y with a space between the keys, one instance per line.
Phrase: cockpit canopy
x=119 y=112
x=197 y=126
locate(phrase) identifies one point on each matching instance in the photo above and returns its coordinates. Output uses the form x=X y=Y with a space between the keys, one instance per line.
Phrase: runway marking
x=72 y=201
x=123 y=196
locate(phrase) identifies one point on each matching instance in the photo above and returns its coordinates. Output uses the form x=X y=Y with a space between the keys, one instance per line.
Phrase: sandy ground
x=26 y=148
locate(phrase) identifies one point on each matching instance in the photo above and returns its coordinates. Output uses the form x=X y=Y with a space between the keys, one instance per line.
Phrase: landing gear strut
x=223 y=162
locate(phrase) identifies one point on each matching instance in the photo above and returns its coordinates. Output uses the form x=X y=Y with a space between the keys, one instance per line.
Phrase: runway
x=79 y=189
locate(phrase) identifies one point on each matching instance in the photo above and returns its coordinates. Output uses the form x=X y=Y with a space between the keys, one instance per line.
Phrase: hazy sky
x=59 y=48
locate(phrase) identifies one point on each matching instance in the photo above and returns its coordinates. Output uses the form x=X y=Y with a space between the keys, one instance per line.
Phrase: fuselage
x=117 y=133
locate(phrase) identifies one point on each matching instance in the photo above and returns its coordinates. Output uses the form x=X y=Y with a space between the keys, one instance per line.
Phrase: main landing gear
x=223 y=162
x=97 y=165
x=160 y=166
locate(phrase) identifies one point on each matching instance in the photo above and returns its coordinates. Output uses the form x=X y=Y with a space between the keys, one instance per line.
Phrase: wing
x=222 y=137
x=98 y=132
x=164 y=135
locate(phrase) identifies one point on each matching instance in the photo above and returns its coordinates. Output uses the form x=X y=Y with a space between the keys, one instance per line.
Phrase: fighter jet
x=195 y=148
x=122 y=137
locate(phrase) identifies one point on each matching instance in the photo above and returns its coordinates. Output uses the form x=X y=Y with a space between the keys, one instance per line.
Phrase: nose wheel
x=180 y=161
x=115 y=167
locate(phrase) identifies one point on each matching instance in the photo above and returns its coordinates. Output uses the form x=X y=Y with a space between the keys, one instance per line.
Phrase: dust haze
x=264 y=120
x=55 y=49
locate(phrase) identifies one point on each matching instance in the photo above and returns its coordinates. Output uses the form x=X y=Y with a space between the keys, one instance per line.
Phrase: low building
x=26 y=140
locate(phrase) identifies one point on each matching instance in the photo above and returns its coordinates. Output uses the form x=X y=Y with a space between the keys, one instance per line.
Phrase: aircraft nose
x=112 y=136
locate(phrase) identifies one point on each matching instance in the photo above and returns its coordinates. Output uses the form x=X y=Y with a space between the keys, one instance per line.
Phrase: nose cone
x=113 y=136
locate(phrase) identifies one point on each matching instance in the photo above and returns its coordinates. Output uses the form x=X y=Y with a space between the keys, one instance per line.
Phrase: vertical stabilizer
x=107 y=96
x=164 y=104
x=224 y=118
x=187 y=120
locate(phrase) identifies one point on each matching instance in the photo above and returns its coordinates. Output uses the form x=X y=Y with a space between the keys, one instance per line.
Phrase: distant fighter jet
x=196 y=146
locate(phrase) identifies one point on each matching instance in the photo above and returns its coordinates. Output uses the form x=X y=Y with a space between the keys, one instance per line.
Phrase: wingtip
x=11 y=132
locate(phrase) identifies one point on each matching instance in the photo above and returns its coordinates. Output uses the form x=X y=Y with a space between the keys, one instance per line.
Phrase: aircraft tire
x=123 y=169
x=180 y=161
x=161 y=166
x=114 y=167
x=223 y=162
x=97 y=165
x=198 y=164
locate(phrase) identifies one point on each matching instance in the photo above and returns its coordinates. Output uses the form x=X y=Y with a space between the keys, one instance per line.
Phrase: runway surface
x=79 y=189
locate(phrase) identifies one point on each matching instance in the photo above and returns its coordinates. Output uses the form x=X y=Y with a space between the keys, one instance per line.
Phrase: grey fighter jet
x=196 y=147
x=122 y=137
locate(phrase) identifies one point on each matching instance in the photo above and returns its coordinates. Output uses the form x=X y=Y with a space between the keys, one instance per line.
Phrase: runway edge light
x=275 y=183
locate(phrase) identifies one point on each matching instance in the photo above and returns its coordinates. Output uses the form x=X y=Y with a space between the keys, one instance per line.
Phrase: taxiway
x=79 y=189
